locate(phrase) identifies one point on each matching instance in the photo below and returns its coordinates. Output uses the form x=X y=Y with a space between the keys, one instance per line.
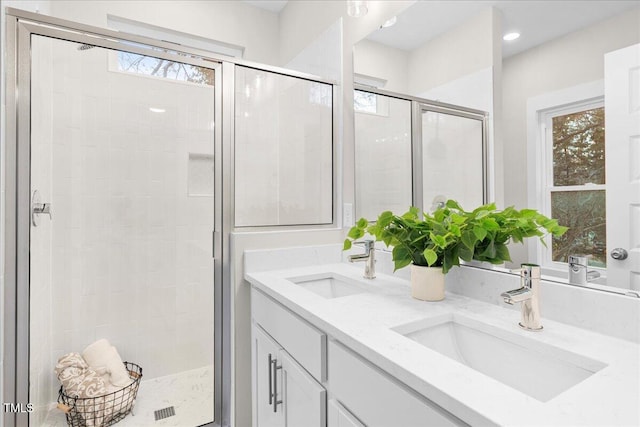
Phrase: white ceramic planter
x=427 y=283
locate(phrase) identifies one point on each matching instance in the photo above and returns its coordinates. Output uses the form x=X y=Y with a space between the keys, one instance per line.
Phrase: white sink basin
x=537 y=369
x=329 y=285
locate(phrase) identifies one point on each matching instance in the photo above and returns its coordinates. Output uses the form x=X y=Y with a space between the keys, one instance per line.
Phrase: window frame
x=546 y=121
x=540 y=111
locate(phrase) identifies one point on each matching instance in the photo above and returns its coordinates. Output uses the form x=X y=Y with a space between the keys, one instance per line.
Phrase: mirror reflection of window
x=577 y=192
x=365 y=102
x=383 y=154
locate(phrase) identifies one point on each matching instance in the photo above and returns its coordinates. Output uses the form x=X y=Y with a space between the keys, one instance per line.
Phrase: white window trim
x=539 y=166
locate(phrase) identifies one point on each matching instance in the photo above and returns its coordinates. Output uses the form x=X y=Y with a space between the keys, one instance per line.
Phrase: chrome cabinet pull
x=270 y=380
x=275 y=385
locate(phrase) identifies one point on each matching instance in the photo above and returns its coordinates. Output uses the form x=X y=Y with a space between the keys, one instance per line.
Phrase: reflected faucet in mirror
x=579 y=272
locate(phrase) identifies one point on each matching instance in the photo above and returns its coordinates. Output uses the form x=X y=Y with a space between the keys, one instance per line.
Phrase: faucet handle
x=527 y=270
x=578 y=260
x=367 y=243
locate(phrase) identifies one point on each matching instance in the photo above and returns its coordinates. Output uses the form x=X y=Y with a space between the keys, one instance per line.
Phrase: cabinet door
x=339 y=416
x=264 y=355
x=304 y=400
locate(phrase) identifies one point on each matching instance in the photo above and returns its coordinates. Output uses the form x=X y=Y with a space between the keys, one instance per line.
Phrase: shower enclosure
x=114 y=214
x=128 y=162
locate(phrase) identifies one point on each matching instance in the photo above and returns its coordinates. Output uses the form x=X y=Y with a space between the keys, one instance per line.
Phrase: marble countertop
x=364 y=322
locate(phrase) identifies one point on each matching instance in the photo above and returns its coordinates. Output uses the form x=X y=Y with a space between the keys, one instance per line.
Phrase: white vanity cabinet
x=284 y=393
x=339 y=416
x=377 y=399
x=295 y=366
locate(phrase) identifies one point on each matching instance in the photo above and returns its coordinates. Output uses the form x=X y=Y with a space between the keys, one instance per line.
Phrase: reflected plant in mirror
x=451 y=234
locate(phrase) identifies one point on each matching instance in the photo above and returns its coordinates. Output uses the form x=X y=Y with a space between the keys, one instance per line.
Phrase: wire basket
x=101 y=411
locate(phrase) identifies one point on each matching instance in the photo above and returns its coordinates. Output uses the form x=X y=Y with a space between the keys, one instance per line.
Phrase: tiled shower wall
x=127 y=255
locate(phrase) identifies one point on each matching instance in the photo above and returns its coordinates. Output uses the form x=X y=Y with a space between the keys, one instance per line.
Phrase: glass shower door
x=122 y=175
x=453 y=159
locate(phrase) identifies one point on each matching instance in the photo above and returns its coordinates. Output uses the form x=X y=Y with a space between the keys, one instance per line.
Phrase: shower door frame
x=21 y=25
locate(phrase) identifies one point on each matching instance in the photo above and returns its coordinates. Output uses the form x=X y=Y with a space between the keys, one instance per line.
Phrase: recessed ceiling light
x=389 y=22
x=157 y=110
x=510 y=36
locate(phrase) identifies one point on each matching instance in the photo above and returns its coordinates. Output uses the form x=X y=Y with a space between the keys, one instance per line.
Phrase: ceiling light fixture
x=511 y=36
x=357 y=8
x=157 y=110
x=389 y=22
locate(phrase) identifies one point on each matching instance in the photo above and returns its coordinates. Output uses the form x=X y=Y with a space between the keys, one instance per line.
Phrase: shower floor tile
x=190 y=393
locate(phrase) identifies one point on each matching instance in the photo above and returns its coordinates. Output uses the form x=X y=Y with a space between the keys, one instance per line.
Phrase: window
x=575 y=181
x=157 y=67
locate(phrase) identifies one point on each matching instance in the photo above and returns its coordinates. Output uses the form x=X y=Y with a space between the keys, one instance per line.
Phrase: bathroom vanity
x=332 y=348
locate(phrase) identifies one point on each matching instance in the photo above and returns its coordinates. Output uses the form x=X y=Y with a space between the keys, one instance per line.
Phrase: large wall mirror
x=563 y=119
x=416 y=152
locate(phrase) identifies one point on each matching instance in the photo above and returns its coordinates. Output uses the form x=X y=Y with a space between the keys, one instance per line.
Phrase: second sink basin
x=329 y=285
x=537 y=369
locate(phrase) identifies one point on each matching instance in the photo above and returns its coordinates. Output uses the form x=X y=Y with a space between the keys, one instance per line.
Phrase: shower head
x=85 y=46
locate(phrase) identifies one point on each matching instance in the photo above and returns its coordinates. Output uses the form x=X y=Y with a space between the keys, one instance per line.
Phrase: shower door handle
x=38 y=208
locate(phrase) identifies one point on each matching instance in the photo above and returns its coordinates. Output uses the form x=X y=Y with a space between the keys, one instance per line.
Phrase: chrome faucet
x=369 y=257
x=579 y=273
x=529 y=295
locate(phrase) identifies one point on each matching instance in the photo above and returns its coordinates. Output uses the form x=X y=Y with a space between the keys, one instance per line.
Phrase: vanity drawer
x=306 y=344
x=376 y=398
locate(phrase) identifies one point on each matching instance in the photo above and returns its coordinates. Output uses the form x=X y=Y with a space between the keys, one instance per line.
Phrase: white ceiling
x=274 y=6
x=536 y=21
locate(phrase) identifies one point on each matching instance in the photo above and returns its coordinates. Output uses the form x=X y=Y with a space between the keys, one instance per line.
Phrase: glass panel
x=452 y=160
x=584 y=212
x=383 y=158
x=126 y=164
x=578 y=148
x=283 y=150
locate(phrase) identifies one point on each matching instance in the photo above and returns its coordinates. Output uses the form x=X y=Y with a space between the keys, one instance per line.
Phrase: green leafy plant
x=450 y=233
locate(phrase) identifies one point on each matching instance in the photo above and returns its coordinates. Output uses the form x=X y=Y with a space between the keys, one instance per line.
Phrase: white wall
x=228 y=21
x=458 y=52
x=323 y=56
x=565 y=62
x=383 y=62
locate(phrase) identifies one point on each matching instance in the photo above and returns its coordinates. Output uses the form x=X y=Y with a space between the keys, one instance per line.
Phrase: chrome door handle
x=38 y=208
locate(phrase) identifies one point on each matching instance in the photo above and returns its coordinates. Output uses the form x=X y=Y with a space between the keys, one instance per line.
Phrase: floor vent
x=163 y=413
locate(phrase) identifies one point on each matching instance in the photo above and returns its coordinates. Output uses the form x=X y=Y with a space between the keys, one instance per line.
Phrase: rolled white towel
x=104 y=359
